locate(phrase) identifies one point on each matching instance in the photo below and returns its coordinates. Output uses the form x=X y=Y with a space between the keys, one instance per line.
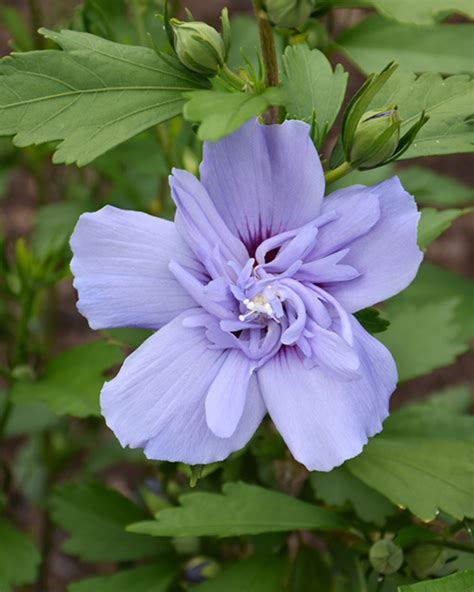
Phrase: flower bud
x=289 y=13
x=198 y=46
x=386 y=557
x=376 y=138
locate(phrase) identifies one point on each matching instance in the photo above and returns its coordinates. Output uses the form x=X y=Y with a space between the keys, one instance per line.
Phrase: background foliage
x=100 y=90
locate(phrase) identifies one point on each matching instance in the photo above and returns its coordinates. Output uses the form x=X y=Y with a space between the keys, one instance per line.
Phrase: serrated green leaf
x=150 y=578
x=262 y=572
x=72 y=381
x=19 y=557
x=435 y=284
x=422 y=338
x=95 y=518
x=375 y=42
x=312 y=87
x=91 y=96
x=434 y=222
x=422 y=460
x=339 y=487
x=221 y=113
x=241 y=509
x=460 y=582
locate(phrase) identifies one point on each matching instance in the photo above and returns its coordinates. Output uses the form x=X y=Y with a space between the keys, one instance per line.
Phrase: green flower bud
x=198 y=46
x=426 y=560
x=386 y=557
x=289 y=13
x=376 y=138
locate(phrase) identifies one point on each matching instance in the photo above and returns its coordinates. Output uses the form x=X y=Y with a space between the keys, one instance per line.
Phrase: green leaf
x=95 y=518
x=448 y=103
x=460 y=582
x=422 y=12
x=28 y=418
x=241 y=509
x=312 y=88
x=221 y=113
x=371 y=320
x=150 y=578
x=422 y=338
x=54 y=224
x=92 y=96
x=244 y=37
x=375 y=42
x=339 y=487
x=19 y=557
x=310 y=566
x=434 y=189
x=260 y=571
x=456 y=399
x=423 y=461
x=434 y=284
x=434 y=222
x=110 y=19
x=72 y=381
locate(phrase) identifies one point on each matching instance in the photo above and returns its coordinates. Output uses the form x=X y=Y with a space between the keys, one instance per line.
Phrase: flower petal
x=121 y=270
x=157 y=400
x=387 y=256
x=226 y=398
x=199 y=223
x=264 y=179
x=324 y=420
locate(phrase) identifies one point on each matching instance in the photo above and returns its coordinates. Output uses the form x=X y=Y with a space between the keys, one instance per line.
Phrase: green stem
x=338 y=172
x=232 y=78
x=267 y=43
x=36 y=18
x=22 y=331
x=454 y=545
x=137 y=15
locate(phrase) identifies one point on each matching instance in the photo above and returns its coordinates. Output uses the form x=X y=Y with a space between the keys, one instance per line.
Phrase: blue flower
x=252 y=289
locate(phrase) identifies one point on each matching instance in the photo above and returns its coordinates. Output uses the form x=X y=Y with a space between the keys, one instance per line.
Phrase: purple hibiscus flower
x=252 y=289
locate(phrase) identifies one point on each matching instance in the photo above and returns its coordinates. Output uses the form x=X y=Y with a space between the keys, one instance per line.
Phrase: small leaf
x=95 y=518
x=312 y=88
x=221 y=113
x=460 y=582
x=376 y=41
x=241 y=509
x=434 y=222
x=423 y=461
x=422 y=338
x=72 y=381
x=91 y=96
x=371 y=320
x=19 y=557
x=339 y=486
x=150 y=578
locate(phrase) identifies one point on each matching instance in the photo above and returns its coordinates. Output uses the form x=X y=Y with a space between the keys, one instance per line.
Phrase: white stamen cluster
x=258 y=305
